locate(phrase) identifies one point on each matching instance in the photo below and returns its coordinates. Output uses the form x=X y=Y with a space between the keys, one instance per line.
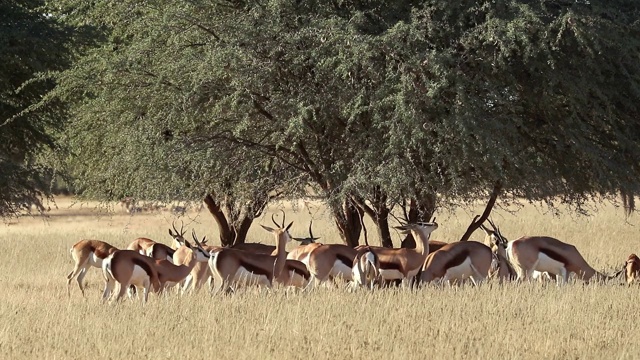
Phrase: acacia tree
x=373 y=104
x=33 y=47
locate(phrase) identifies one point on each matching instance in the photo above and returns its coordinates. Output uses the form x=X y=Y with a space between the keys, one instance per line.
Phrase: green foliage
x=386 y=100
x=33 y=47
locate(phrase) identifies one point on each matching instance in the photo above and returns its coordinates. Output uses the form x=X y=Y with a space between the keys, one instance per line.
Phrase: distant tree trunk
x=233 y=231
x=479 y=220
x=419 y=210
x=348 y=219
x=379 y=213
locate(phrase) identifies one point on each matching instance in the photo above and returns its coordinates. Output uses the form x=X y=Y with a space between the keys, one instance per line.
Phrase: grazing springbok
x=532 y=255
x=129 y=267
x=231 y=266
x=402 y=263
x=366 y=268
x=85 y=254
x=457 y=262
x=632 y=269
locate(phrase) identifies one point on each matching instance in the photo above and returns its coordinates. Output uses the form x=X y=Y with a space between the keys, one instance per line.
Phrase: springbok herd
x=154 y=266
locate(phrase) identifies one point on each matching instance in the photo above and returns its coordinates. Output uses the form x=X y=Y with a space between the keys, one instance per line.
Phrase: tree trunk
x=227 y=234
x=419 y=210
x=348 y=219
x=382 y=223
x=233 y=231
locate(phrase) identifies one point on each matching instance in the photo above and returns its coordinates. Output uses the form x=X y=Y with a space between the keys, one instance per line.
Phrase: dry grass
x=513 y=321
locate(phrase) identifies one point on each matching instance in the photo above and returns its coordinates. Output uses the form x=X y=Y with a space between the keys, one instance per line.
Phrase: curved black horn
x=283 y=217
x=195 y=238
x=310 y=233
x=273 y=218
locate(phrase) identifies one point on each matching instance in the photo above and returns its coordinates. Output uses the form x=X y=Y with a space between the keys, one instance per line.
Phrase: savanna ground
x=526 y=321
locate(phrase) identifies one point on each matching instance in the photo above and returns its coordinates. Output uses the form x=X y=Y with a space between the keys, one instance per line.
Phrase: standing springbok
x=366 y=268
x=185 y=255
x=402 y=263
x=158 y=250
x=632 y=269
x=324 y=261
x=457 y=262
x=531 y=254
x=234 y=266
x=188 y=256
x=129 y=267
x=85 y=254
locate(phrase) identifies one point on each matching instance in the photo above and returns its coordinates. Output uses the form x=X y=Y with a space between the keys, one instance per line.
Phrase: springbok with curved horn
x=233 y=266
x=86 y=254
x=504 y=269
x=259 y=248
x=530 y=254
x=632 y=269
x=402 y=263
x=307 y=244
x=188 y=256
x=457 y=262
x=158 y=250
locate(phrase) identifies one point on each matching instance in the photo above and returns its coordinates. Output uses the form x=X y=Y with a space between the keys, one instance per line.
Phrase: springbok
x=141 y=271
x=632 y=269
x=532 y=255
x=129 y=267
x=366 y=268
x=188 y=256
x=233 y=266
x=185 y=255
x=504 y=272
x=157 y=250
x=85 y=254
x=457 y=262
x=402 y=263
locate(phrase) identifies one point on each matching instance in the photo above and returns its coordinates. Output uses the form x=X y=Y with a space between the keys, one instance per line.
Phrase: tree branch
x=475 y=224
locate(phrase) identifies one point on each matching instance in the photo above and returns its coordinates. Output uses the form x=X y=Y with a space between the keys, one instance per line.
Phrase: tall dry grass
x=512 y=321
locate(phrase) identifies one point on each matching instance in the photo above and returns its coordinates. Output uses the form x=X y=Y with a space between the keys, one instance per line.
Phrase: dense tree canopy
x=372 y=104
x=33 y=47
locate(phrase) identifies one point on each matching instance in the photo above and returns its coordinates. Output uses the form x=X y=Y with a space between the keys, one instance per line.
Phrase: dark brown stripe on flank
x=256 y=270
x=345 y=260
x=390 y=266
x=299 y=268
x=457 y=260
x=554 y=255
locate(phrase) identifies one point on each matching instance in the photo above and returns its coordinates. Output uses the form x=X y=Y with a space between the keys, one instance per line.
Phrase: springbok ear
x=288 y=226
x=267 y=228
x=170 y=233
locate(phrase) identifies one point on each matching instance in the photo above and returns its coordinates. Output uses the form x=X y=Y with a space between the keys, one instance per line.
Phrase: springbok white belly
x=94 y=260
x=139 y=277
x=547 y=264
x=460 y=272
x=244 y=276
x=340 y=270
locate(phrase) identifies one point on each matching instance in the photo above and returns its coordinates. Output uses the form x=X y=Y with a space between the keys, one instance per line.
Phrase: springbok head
x=178 y=236
x=494 y=238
